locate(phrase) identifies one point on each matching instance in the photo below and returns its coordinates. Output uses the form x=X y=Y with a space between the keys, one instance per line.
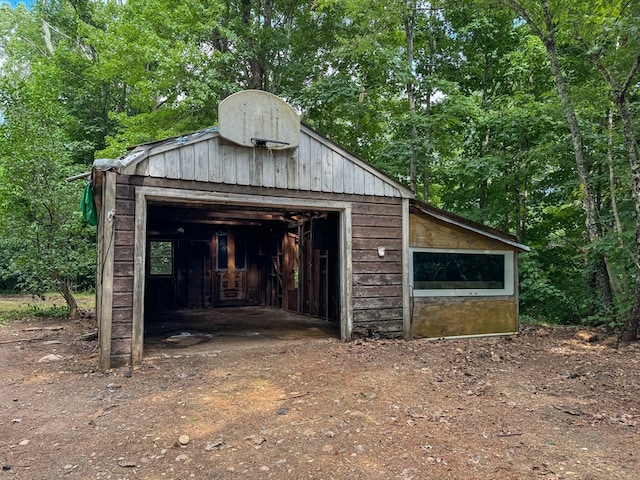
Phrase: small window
x=437 y=272
x=240 y=251
x=223 y=251
x=161 y=258
x=228 y=242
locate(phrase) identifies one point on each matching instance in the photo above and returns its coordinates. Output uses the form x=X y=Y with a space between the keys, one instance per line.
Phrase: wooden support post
x=139 y=278
x=346 y=275
x=407 y=326
x=107 y=233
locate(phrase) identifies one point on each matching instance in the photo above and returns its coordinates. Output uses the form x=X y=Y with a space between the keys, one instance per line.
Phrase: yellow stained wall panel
x=425 y=232
x=449 y=317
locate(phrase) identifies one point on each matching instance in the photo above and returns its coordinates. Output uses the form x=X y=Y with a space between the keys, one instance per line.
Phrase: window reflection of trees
x=438 y=270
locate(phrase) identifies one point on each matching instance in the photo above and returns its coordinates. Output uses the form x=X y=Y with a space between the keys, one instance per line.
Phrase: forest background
x=516 y=113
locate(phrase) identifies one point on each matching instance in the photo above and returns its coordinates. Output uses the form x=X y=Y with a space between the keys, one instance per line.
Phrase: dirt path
x=542 y=404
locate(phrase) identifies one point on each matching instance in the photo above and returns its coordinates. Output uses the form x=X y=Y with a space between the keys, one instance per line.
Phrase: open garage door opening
x=237 y=271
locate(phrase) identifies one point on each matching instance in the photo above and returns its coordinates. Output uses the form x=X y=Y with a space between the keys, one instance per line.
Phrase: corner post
x=106 y=242
x=406 y=299
x=139 y=274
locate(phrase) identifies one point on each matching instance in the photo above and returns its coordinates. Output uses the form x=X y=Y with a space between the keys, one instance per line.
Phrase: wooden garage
x=263 y=211
x=260 y=210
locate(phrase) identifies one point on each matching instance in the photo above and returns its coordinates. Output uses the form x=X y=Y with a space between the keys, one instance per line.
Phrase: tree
x=540 y=18
x=612 y=42
x=47 y=243
x=50 y=247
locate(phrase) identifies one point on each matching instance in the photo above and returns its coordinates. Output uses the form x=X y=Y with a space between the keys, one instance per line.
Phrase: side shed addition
x=463 y=276
x=260 y=211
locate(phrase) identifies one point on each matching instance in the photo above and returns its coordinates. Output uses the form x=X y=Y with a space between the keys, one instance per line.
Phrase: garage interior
x=231 y=270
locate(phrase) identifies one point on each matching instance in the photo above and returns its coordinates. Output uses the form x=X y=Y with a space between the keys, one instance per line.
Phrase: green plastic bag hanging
x=88 y=206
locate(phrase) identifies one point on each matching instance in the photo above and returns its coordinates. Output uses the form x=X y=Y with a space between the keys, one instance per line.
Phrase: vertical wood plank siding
x=313 y=166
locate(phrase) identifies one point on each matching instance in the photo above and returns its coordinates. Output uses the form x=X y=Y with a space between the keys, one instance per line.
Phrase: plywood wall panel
x=155 y=167
x=268 y=167
x=376 y=221
x=215 y=162
x=368 y=291
x=446 y=317
x=126 y=207
x=377 y=302
x=123 y=268
x=315 y=153
x=201 y=153
x=172 y=166
x=256 y=170
x=123 y=315
x=123 y=299
x=372 y=255
x=372 y=280
x=122 y=284
x=425 y=232
x=378 y=316
x=338 y=173
x=123 y=238
x=124 y=191
x=303 y=160
x=228 y=157
x=243 y=166
x=380 y=232
x=124 y=222
x=292 y=171
x=280 y=170
x=327 y=169
x=377 y=268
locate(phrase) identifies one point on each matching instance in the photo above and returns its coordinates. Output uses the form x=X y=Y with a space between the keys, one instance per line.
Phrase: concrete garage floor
x=222 y=329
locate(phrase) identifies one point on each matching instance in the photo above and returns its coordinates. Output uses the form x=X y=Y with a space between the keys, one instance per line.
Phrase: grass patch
x=14 y=307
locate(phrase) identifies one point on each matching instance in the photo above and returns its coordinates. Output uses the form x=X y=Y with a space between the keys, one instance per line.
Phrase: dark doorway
x=208 y=257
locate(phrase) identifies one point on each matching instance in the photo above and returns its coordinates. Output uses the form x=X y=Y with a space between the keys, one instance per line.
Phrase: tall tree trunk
x=547 y=34
x=612 y=177
x=631 y=145
x=409 y=21
x=631 y=329
x=619 y=288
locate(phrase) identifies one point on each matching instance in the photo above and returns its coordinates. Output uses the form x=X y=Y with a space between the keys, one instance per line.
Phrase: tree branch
x=629 y=80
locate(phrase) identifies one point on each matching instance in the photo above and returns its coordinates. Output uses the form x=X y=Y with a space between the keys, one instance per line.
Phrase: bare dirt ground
x=542 y=404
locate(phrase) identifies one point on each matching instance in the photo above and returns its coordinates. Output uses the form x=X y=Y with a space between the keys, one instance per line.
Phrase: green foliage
x=45 y=243
x=473 y=107
x=46 y=306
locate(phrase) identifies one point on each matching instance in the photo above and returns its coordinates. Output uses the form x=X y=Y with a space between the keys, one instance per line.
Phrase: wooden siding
x=449 y=317
x=314 y=166
x=377 y=281
x=427 y=232
x=459 y=316
x=377 y=293
x=122 y=319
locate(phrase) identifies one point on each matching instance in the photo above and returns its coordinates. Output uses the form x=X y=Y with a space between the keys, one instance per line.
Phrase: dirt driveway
x=542 y=404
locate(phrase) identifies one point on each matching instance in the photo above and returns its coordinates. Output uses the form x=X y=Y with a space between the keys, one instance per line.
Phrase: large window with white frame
x=438 y=272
